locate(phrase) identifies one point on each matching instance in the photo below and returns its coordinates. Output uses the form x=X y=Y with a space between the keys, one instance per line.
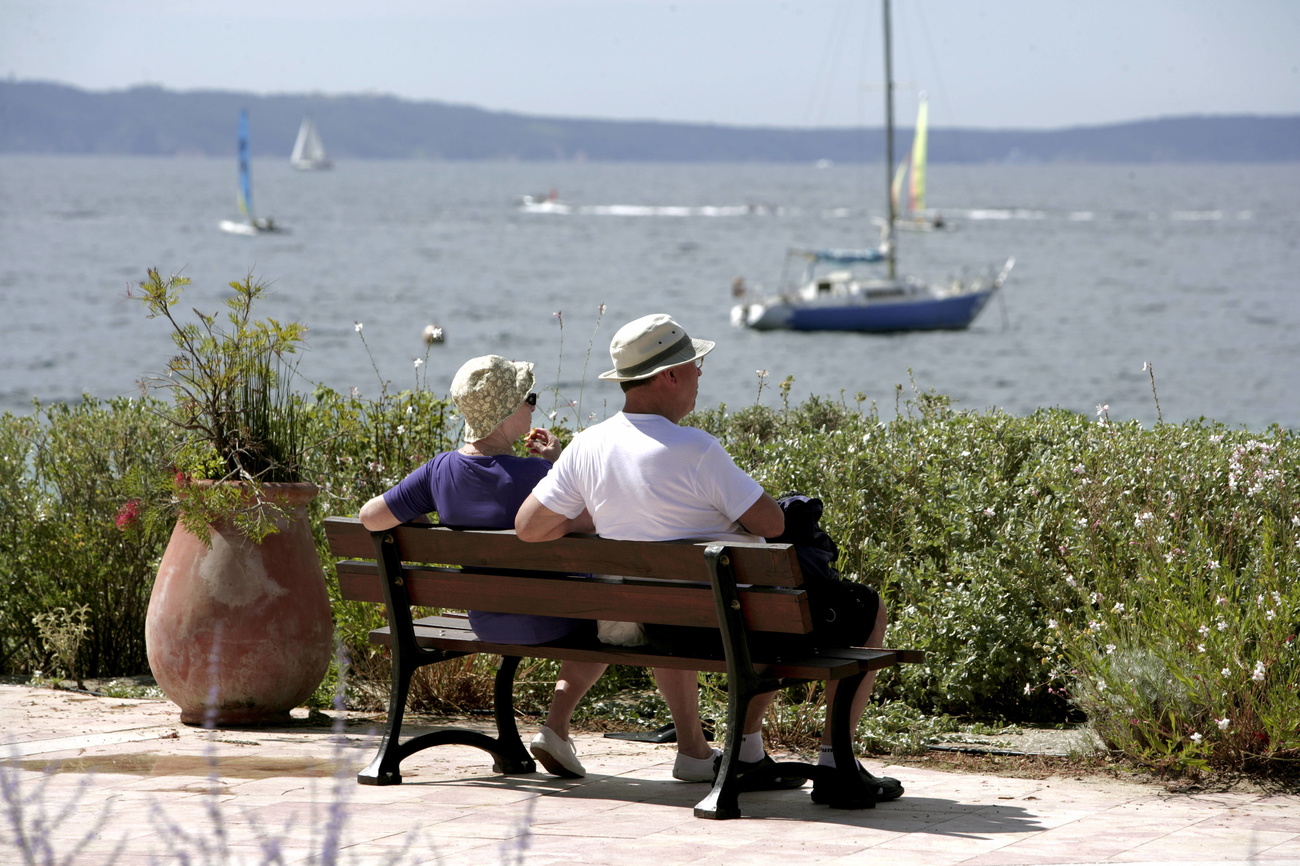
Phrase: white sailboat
x=308 y=150
x=835 y=294
x=250 y=225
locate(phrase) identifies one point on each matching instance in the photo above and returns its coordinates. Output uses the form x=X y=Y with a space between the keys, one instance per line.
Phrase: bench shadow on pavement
x=910 y=814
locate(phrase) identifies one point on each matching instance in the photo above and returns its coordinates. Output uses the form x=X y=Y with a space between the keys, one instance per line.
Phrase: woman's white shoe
x=556 y=754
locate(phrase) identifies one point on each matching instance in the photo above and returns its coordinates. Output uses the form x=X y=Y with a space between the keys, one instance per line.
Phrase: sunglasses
x=531 y=399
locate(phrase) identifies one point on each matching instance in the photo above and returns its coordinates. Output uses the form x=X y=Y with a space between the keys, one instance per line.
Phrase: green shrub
x=61 y=545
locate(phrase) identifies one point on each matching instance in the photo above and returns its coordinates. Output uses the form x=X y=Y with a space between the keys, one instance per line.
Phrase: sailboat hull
x=257 y=227
x=238 y=228
x=952 y=314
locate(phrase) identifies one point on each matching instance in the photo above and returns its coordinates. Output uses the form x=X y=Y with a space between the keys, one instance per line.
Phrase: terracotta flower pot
x=240 y=633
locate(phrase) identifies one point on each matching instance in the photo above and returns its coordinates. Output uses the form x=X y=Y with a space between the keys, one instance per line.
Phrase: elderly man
x=643 y=477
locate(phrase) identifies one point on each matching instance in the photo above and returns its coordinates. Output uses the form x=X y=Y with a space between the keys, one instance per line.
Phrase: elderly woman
x=481 y=486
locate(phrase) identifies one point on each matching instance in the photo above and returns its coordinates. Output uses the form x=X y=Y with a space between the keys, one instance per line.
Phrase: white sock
x=751 y=747
x=826 y=756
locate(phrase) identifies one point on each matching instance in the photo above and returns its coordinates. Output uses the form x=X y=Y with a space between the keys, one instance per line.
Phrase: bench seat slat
x=448 y=636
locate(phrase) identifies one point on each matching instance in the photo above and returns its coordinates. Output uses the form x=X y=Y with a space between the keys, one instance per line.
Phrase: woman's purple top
x=480 y=493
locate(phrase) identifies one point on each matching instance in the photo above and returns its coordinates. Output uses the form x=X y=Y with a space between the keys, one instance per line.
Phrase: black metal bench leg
x=723 y=800
x=385 y=769
x=844 y=785
x=509 y=752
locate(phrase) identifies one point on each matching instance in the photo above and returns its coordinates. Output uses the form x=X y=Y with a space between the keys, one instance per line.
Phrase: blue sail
x=245 y=175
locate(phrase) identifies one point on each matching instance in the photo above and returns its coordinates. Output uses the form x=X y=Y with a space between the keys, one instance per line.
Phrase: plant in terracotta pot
x=238 y=629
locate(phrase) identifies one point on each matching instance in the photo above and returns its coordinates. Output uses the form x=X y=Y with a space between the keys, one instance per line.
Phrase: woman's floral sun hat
x=487 y=390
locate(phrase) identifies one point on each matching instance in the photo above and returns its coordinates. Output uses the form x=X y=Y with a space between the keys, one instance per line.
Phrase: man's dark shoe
x=766 y=775
x=881 y=789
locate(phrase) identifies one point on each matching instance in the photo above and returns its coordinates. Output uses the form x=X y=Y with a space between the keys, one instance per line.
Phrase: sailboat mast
x=889 y=148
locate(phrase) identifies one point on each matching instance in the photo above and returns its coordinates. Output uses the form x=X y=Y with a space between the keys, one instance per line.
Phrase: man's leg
x=859 y=705
x=681 y=691
x=881 y=788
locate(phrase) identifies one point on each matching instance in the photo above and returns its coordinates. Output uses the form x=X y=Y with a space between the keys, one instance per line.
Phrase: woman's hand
x=543 y=443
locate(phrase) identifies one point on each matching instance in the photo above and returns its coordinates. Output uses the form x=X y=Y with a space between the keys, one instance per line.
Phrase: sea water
x=1189 y=269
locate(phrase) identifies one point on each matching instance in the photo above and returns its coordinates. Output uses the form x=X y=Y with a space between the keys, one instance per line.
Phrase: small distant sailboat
x=249 y=225
x=911 y=214
x=308 y=150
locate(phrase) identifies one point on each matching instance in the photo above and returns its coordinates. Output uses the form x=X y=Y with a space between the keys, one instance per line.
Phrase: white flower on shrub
x=1223 y=724
x=1144 y=517
x=1258 y=674
x=1196 y=738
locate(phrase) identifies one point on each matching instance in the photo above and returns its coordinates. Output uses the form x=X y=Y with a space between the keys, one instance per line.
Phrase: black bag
x=844 y=611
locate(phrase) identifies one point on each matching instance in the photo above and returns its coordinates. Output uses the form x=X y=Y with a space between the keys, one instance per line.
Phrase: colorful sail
x=916 y=193
x=896 y=188
x=245 y=173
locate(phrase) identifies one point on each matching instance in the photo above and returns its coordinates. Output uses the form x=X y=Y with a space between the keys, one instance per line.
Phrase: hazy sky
x=985 y=63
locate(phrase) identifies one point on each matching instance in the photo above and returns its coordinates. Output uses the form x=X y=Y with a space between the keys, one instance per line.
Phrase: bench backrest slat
x=763 y=609
x=758 y=564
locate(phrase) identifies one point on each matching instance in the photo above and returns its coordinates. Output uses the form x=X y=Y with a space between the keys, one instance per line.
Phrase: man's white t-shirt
x=644 y=478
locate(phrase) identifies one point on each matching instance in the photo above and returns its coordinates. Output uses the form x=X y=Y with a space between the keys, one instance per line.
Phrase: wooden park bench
x=736 y=588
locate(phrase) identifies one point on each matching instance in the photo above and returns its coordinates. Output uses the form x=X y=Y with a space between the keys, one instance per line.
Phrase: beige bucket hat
x=649 y=345
x=487 y=390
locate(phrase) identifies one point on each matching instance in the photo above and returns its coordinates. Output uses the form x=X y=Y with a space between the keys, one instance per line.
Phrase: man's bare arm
x=536 y=522
x=764 y=518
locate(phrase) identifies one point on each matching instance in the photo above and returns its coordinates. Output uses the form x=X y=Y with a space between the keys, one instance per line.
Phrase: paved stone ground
x=131 y=785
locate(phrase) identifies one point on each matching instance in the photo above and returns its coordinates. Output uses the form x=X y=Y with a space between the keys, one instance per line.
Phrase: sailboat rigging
x=308 y=150
x=250 y=224
x=835 y=295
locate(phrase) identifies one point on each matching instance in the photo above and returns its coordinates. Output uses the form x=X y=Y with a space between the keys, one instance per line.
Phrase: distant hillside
x=37 y=117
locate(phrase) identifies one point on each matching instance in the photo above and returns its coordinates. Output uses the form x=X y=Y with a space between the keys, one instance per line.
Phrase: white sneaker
x=689 y=769
x=556 y=754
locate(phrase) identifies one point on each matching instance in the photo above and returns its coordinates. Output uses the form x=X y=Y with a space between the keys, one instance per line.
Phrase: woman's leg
x=575 y=679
